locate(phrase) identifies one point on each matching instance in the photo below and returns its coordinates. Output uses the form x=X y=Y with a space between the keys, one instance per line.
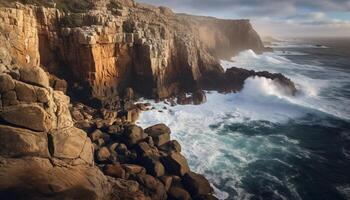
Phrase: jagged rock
x=18 y=142
x=160 y=134
x=25 y=92
x=6 y=83
x=171 y=146
x=196 y=184
x=178 y=193
x=29 y=116
x=133 y=134
x=115 y=171
x=176 y=164
x=35 y=76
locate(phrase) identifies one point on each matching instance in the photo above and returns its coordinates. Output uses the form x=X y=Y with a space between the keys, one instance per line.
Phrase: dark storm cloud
x=254 y=7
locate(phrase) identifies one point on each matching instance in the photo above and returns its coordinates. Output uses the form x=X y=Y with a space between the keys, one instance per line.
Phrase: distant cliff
x=118 y=44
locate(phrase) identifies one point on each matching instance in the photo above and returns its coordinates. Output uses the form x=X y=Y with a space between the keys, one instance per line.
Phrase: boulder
x=25 y=92
x=6 y=83
x=133 y=115
x=18 y=142
x=68 y=143
x=176 y=164
x=133 y=134
x=196 y=184
x=30 y=116
x=34 y=75
x=160 y=134
x=171 y=146
x=96 y=135
x=178 y=193
x=153 y=166
x=152 y=187
x=134 y=169
x=115 y=171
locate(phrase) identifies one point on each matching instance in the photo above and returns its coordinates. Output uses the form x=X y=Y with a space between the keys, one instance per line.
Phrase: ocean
x=262 y=144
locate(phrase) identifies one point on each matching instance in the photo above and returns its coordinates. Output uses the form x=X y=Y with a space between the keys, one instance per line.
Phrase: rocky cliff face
x=120 y=44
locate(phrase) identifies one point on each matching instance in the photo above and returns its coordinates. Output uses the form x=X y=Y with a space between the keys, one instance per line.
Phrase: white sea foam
x=226 y=155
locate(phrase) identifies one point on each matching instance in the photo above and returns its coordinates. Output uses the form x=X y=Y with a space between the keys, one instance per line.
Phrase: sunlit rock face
x=119 y=44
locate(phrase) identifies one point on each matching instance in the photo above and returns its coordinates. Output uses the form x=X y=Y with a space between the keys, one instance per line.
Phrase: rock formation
x=121 y=44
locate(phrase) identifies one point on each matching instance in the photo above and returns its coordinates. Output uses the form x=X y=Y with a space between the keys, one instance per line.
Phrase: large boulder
x=30 y=116
x=35 y=75
x=176 y=164
x=196 y=184
x=153 y=166
x=160 y=134
x=16 y=142
x=71 y=143
x=6 y=83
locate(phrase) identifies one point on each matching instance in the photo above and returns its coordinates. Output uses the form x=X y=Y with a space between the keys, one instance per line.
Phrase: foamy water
x=249 y=142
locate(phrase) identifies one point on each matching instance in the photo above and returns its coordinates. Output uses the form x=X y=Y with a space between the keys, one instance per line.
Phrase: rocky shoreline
x=55 y=148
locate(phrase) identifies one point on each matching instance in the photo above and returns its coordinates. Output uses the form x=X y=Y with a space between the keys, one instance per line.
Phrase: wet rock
x=176 y=164
x=199 y=97
x=160 y=134
x=196 y=184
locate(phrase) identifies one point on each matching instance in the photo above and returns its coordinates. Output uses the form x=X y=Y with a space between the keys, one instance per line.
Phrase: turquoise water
x=262 y=144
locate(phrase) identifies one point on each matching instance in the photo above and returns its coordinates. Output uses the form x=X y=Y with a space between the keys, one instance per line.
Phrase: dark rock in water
x=196 y=184
x=178 y=193
x=176 y=164
x=199 y=97
x=160 y=134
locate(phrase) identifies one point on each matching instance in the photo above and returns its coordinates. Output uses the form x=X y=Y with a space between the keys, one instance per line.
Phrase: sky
x=277 y=18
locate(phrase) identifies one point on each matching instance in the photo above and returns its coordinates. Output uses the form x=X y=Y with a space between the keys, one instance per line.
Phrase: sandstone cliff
x=120 y=44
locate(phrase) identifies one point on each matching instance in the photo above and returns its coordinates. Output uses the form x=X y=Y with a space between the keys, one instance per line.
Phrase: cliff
x=120 y=44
